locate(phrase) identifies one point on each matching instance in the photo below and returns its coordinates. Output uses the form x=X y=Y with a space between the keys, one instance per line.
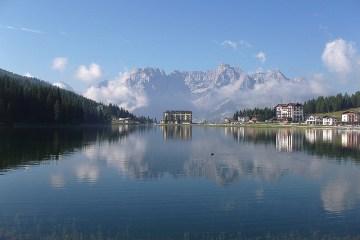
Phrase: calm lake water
x=164 y=183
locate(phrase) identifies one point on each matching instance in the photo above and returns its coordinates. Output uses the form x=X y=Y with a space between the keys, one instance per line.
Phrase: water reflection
x=350 y=140
x=250 y=171
x=340 y=194
x=126 y=155
x=132 y=151
x=87 y=173
x=288 y=141
x=177 y=132
x=57 y=181
x=29 y=146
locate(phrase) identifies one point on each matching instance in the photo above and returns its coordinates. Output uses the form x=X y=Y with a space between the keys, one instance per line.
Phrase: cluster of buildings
x=288 y=113
x=317 y=120
x=294 y=113
x=347 y=117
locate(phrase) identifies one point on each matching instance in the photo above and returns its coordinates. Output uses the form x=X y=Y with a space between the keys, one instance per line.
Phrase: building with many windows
x=290 y=112
x=177 y=117
x=350 y=117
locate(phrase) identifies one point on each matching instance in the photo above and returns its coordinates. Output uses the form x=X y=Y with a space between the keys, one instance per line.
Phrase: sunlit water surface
x=179 y=183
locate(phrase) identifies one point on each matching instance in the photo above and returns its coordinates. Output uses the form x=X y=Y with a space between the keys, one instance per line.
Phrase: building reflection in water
x=350 y=139
x=288 y=140
x=177 y=132
x=284 y=141
x=237 y=132
x=327 y=135
x=311 y=135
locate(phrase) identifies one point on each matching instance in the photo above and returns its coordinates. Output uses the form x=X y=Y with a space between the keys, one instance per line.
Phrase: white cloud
x=63 y=85
x=22 y=29
x=31 y=30
x=89 y=73
x=119 y=91
x=261 y=56
x=29 y=75
x=235 y=44
x=317 y=85
x=230 y=44
x=59 y=63
x=339 y=56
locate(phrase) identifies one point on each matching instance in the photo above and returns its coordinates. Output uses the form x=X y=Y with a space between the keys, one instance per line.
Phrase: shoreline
x=104 y=125
x=223 y=125
x=267 y=125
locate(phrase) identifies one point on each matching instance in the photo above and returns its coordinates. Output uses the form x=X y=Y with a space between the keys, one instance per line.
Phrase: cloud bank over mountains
x=218 y=92
x=63 y=85
x=210 y=94
x=88 y=74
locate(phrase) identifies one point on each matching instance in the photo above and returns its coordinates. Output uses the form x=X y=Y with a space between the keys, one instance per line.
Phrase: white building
x=177 y=117
x=329 y=121
x=314 y=120
x=243 y=119
x=293 y=112
x=350 y=117
x=228 y=120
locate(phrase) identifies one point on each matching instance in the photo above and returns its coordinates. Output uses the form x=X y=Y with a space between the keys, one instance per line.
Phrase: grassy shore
x=337 y=114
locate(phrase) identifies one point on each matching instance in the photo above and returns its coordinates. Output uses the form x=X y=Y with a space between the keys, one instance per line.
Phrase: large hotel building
x=177 y=117
x=290 y=112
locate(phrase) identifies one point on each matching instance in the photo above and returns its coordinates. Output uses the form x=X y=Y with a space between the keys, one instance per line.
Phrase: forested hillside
x=332 y=103
x=32 y=101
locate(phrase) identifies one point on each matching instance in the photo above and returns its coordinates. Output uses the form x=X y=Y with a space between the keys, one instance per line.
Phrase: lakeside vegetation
x=26 y=100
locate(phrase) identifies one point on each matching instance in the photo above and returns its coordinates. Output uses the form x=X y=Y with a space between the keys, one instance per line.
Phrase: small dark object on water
x=212 y=154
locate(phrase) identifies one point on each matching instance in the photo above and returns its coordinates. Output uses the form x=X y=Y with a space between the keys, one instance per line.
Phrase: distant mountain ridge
x=210 y=94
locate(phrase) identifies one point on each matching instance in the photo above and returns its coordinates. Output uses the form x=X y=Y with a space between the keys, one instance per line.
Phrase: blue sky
x=179 y=35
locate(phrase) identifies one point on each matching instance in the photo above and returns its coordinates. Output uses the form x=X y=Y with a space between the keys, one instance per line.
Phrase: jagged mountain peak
x=263 y=76
x=216 y=91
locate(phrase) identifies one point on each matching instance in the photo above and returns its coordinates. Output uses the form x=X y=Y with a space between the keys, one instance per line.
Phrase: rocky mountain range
x=210 y=94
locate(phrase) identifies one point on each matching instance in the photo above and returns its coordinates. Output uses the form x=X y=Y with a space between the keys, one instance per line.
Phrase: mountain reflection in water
x=256 y=172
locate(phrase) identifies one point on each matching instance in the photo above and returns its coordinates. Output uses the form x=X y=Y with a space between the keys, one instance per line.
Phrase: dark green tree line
x=261 y=114
x=32 y=101
x=332 y=103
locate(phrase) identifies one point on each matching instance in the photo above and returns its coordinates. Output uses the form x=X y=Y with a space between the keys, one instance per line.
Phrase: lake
x=129 y=182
